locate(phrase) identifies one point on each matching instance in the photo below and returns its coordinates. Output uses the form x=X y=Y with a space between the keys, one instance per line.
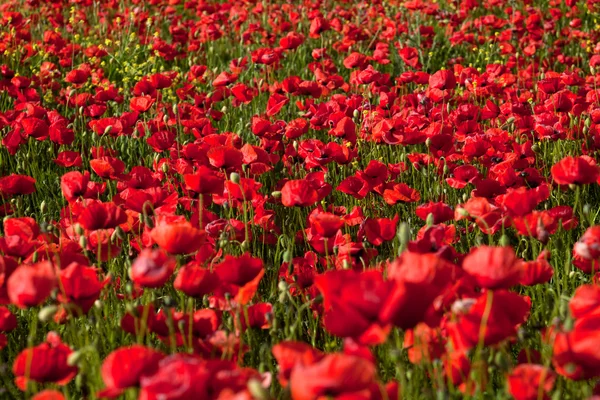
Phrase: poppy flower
x=74 y=184
x=204 y=181
x=537 y=271
x=177 y=237
x=379 y=230
x=46 y=362
x=98 y=215
x=575 y=170
x=178 y=376
x=334 y=375
x=125 y=367
x=585 y=301
x=290 y=353
x=8 y=321
x=326 y=224
x=276 y=103
x=31 y=284
x=81 y=286
x=48 y=394
x=531 y=382
x=417 y=280
x=16 y=184
x=299 y=193
x=441 y=212
x=493 y=267
x=152 y=268
x=575 y=353
x=141 y=103
x=507 y=312
x=356 y=297
x=240 y=276
x=225 y=157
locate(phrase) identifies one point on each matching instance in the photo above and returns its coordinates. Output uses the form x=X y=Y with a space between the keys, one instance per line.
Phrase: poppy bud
x=287 y=256
x=276 y=194
x=586 y=209
x=295 y=145
x=462 y=212
x=282 y=286
x=245 y=245
x=510 y=120
x=356 y=113
x=74 y=358
x=83 y=242
x=80 y=110
x=164 y=168
x=165 y=118
x=504 y=240
x=587 y=122
x=78 y=229
x=35 y=256
x=43 y=206
x=403 y=235
x=108 y=129
x=346 y=264
x=535 y=147
x=572 y=186
x=430 y=219
x=257 y=390
x=428 y=142
x=47 y=313
x=235 y=178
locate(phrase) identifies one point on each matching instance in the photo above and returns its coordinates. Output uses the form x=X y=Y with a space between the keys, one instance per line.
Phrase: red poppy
x=31 y=284
x=276 y=103
x=81 y=286
x=240 y=276
x=575 y=170
x=195 y=281
x=576 y=353
x=179 y=376
x=299 y=193
x=98 y=215
x=288 y=354
x=204 y=181
x=152 y=268
x=74 y=184
x=8 y=321
x=352 y=303
x=332 y=376
x=418 y=279
x=325 y=224
x=537 y=271
x=531 y=382
x=125 y=367
x=177 y=237
x=585 y=301
x=493 y=267
x=141 y=104
x=46 y=362
x=48 y=395
x=16 y=184
x=441 y=212
x=225 y=157
x=379 y=230
x=504 y=315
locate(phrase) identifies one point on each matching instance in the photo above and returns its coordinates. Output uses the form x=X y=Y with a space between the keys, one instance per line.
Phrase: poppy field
x=299 y=200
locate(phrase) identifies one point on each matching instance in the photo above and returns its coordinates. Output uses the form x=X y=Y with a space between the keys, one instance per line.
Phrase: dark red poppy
x=178 y=376
x=276 y=103
x=204 y=181
x=379 y=230
x=46 y=362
